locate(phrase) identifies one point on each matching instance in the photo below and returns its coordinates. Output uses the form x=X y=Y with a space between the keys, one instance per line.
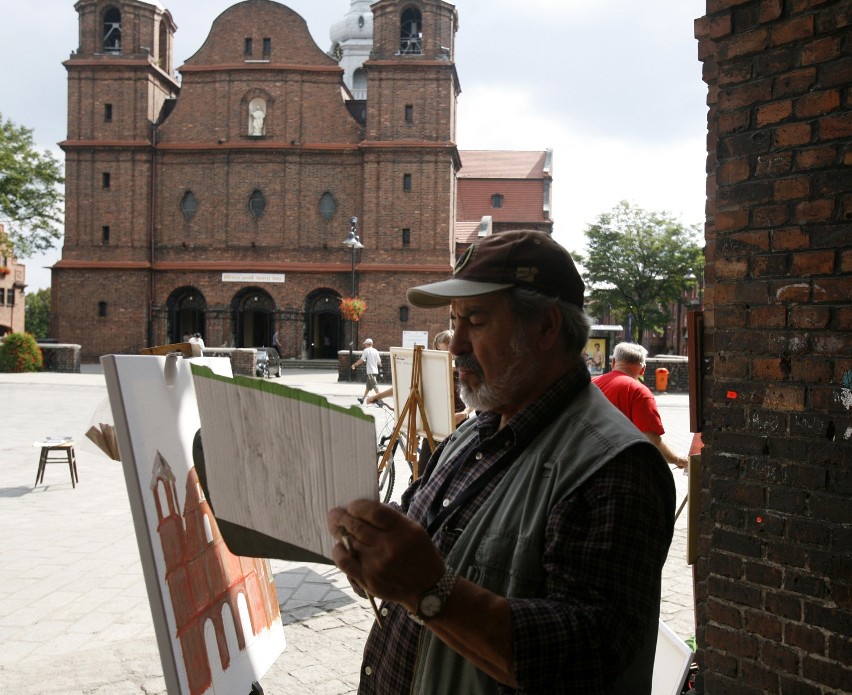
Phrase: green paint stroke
x=281 y=391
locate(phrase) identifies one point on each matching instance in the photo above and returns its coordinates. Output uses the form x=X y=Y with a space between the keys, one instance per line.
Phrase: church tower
x=410 y=154
x=351 y=44
x=120 y=81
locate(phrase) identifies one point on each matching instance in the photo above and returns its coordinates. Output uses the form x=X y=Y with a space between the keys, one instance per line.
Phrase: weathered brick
x=794 y=82
x=792 y=188
x=792 y=135
x=772 y=368
x=771 y=215
x=807 y=263
x=810 y=317
x=773 y=113
x=789 y=239
x=792 y=30
x=773 y=316
x=779 y=657
x=817 y=104
x=813 y=211
x=815 y=157
x=757 y=676
x=820 y=50
x=733 y=170
x=731 y=220
x=784 y=605
x=839 y=126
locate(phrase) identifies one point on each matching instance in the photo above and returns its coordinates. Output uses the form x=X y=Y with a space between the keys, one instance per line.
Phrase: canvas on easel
x=216 y=615
x=436 y=382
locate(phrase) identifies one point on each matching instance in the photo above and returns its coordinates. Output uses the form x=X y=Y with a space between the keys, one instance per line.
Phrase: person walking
x=372 y=359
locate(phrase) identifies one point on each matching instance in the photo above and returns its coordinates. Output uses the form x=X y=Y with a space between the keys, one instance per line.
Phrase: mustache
x=469 y=363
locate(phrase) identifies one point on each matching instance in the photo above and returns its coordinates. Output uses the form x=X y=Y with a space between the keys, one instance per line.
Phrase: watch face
x=431 y=605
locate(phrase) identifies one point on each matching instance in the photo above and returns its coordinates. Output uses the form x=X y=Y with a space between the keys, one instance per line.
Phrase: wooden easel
x=408 y=415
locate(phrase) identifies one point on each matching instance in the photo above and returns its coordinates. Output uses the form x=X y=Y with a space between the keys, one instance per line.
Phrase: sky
x=613 y=87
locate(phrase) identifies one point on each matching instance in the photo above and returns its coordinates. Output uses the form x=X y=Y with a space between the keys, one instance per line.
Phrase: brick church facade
x=219 y=203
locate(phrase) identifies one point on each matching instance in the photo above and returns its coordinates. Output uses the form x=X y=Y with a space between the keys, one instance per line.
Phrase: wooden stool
x=57 y=451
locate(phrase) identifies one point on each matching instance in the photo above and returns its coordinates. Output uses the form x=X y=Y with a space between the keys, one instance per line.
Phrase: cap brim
x=442 y=293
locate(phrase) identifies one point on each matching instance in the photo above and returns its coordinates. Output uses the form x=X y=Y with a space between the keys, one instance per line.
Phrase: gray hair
x=631 y=353
x=441 y=338
x=527 y=305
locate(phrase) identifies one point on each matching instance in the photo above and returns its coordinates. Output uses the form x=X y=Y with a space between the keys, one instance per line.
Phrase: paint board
x=278 y=458
x=436 y=385
x=216 y=616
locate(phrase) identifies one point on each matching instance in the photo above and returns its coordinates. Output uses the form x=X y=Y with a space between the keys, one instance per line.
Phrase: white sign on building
x=253 y=277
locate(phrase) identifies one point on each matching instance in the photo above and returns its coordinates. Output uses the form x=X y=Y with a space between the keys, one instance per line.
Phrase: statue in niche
x=257 y=117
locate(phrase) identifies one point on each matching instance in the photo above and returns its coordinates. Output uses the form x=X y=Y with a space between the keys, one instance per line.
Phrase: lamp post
x=354 y=244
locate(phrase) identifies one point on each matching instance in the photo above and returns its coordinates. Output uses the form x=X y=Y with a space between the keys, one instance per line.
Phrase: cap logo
x=463 y=260
x=526 y=275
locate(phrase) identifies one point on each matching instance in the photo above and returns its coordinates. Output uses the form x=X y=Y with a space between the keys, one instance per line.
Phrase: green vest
x=502 y=547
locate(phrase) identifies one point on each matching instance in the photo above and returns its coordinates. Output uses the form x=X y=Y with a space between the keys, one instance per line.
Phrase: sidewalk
x=74 y=614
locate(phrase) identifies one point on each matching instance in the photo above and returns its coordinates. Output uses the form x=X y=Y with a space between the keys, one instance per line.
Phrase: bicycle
x=387 y=473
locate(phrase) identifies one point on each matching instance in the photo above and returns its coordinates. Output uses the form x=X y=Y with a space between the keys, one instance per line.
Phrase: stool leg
x=70 y=454
x=42 y=462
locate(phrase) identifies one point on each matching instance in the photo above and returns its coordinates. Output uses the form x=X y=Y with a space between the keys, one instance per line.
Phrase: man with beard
x=528 y=556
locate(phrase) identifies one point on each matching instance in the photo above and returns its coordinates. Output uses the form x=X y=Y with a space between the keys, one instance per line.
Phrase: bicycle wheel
x=386 y=475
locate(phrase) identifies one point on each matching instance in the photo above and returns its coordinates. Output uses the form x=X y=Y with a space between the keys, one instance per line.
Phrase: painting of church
x=222 y=602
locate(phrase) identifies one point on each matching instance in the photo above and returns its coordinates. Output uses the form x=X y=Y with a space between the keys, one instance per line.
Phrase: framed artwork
x=596 y=355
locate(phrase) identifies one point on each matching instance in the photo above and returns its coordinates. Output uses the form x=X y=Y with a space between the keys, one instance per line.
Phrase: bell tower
x=411 y=127
x=120 y=83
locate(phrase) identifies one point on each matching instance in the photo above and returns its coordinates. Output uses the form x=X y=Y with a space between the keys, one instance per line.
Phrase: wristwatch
x=432 y=601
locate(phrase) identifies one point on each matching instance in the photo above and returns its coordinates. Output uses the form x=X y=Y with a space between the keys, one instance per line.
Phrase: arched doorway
x=323 y=325
x=252 y=317
x=186 y=312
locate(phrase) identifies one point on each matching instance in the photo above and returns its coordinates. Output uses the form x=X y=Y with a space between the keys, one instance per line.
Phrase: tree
x=637 y=263
x=30 y=197
x=37 y=315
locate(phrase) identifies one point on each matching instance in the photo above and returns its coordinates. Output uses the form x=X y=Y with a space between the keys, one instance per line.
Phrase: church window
x=102 y=309
x=10 y=297
x=409 y=113
x=189 y=205
x=105 y=235
x=403 y=314
x=497 y=200
x=105 y=179
x=406 y=236
x=327 y=205
x=108 y=113
x=247 y=46
x=257 y=118
x=112 y=30
x=257 y=203
x=267 y=47
x=410 y=36
x=406 y=182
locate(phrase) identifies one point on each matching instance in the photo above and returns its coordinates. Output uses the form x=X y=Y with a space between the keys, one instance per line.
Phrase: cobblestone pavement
x=74 y=614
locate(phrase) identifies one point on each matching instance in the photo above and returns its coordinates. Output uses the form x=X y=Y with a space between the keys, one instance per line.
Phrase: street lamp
x=354 y=244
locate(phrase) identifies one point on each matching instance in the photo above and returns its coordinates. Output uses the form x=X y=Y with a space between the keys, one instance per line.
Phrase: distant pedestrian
x=370 y=356
x=624 y=390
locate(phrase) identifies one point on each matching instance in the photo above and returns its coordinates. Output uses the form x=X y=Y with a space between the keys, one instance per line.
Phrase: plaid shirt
x=605 y=548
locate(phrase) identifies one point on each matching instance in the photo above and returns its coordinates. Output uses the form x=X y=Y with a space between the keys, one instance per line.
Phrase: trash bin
x=662 y=379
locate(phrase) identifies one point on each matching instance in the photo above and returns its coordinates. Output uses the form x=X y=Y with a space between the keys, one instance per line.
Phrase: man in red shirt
x=624 y=390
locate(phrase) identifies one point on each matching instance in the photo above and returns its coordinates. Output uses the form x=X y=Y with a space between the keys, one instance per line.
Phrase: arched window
x=410 y=35
x=257 y=117
x=327 y=205
x=359 y=84
x=112 y=30
x=257 y=203
x=189 y=205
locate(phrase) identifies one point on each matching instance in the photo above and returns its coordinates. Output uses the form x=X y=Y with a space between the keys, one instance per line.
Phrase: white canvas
x=671 y=664
x=436 y=385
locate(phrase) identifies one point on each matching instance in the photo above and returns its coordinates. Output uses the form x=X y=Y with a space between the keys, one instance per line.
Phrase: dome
x=356 y=24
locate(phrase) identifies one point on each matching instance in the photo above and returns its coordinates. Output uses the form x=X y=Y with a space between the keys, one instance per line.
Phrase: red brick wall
x=774 y=580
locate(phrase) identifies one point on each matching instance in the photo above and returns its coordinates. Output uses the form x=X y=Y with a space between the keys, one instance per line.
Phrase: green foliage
x=638 y=262
x=30 y=195
x=19 y=353
x=37 y=317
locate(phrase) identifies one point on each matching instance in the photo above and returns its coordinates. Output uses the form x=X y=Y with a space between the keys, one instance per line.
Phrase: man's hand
x=392 y=557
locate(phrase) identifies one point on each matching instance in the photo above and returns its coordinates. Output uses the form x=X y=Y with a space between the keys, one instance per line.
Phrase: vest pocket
x=508 y=564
